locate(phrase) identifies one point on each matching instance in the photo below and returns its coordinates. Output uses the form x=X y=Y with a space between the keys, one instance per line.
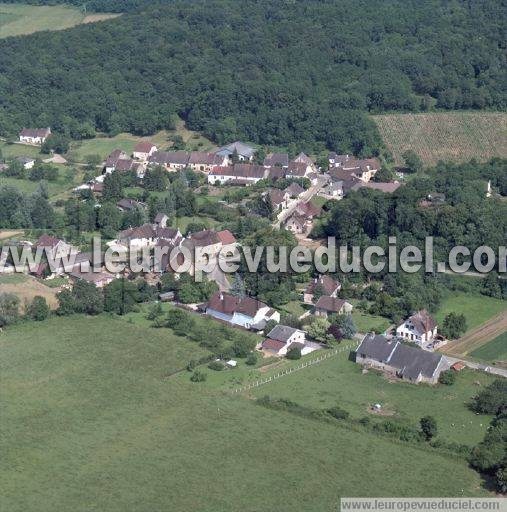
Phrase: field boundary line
x=292 y=369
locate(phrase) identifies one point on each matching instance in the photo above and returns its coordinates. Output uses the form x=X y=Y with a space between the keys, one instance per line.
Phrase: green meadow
x=98 y=414
x=494 y=350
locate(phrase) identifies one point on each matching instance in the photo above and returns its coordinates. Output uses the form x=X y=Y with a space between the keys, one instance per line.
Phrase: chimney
x=221 y=296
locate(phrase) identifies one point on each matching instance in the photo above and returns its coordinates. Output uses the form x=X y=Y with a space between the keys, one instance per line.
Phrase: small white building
x=143 y=150
x=283 y=338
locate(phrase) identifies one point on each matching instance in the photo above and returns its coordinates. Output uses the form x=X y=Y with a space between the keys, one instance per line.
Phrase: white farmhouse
x=420 y=328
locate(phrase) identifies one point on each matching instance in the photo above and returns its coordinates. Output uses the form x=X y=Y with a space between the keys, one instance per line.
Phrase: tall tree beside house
x=412 y=161
x=491 y=286
x=237 y=286
x=42 y=213
x=120 y=296
x=454 y=325
x=109 y=220
x=155 y=179
x=318 y=291
x=346 y=325
x=113 y=186
x=83 y=298
x=317 y=328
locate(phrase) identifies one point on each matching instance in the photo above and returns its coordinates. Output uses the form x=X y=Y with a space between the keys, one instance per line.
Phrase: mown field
x=103 y=146
x=338 y=381
x=495 y=350
x=476 y=308
x=92 y=420
x=21 y=19
x=454 y=136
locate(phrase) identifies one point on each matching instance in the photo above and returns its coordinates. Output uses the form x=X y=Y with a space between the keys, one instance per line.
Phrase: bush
x=217 y=366
x=338 y=413
x=38 y=310
x=294 y=353
x=491 y=400
x=198 y=376
x=448 y=377
x=251 y=359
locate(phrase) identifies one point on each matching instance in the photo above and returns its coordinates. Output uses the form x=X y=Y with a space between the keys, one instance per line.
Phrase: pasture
x=476 y=308
x=26 y=288
x=22 y=19
x=94 y=418
x=338 y=381
x=495 y=350
x=452 y=136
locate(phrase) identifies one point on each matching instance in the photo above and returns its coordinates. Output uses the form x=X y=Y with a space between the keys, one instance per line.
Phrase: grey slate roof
x=376 y=347
x=241 y=148
x=412 y=361
x=281 y=333
x=409 y=361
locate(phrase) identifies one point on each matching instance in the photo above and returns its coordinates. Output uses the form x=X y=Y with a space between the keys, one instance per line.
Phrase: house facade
x=34 y=135
x=143 y=151
x=420 y=328
x=243 y=311
x=326 y=284
x=399 y=360
x=283 y=338
x=326 y=306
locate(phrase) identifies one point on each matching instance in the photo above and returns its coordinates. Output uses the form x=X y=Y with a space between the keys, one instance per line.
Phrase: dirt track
x=478 y=336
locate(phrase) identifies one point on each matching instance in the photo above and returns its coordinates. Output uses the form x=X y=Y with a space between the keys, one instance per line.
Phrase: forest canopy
x=265 y=71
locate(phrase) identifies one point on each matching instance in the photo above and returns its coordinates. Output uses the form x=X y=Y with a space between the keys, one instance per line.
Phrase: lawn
x=476 y=308
x=369 y=323
x=10 y=150
x=338 y=381
x=19 y=19
x=103 y=145
x=455 y=136
x=494 y=350
x=295 y=308
x=68 y=178
x=91 y=420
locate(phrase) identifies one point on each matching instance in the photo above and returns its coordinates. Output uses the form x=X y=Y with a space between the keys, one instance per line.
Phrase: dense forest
x=266 y=71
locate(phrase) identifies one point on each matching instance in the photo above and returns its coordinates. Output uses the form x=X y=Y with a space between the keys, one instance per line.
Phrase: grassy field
x=19 y=19
x=495 y=350
x=103 y=146
x=10 y=150
x=26 y=288
x=68 y=178
x=455 y=136
x=476 y=308
x=91 y=420
x=338 y=381
x=369 y=323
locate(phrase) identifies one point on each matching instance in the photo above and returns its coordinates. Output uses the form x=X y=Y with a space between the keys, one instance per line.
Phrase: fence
x=288 y=371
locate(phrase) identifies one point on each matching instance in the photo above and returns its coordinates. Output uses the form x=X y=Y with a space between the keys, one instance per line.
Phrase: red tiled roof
x=230 y=304
x=143 y=147
x=47 y=241
x=226 y=237
x=35 y=132
x=330 y=304
x=328 y=284
x=273 y=345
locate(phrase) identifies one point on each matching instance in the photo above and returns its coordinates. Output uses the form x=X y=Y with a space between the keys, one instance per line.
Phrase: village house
x=298 y=170
x=59 y=252
x=170 y=160
x=326 y=306
x=209 y=243
x=399 y=360
x=143 y=150
x=34 y=135
x=146 y=235
x=298 y=224
x=325 y=284
x=294 y=190
x=364 y=169
x=333 y=190
x=283 y=338
x=420 y=328
x=99 y=279
x=278 y=198
x=128 y=205
x=244 y=152
x=243 y=311
x=204 y=162
x=239 y=174
x=276 y=160
x=117 y=159
x=160 y=220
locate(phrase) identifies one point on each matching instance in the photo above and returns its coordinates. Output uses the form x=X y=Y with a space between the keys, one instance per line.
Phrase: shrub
x=448 y=378
x=294 y=353
x=251 y=359
x=491 y=400
x=38 y=310
x=338 y=413
x=198 y=376
x=217 y=366
x=428 y=427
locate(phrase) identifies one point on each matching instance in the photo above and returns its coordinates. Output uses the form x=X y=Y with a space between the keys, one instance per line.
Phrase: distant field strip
x=495 y=350
x=453 y=136
x=479 y=336
x=22 y=19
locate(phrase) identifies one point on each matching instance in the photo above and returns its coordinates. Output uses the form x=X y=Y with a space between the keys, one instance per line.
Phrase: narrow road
x=305 y=197
x=495 y=370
